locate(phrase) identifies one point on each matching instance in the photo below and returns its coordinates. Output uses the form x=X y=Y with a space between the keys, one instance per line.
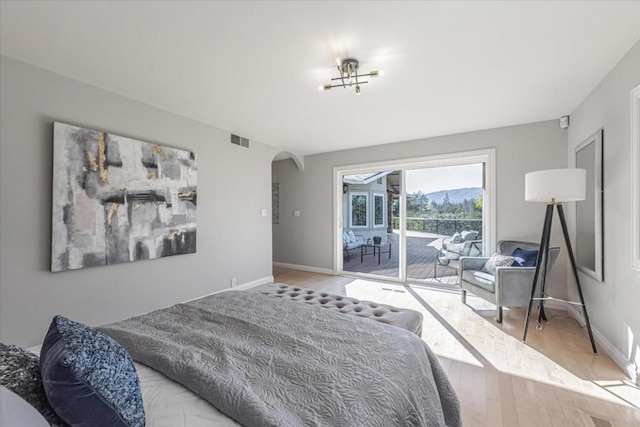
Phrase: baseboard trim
x=242 y=287
x=624 y=364
x=557 y=305
x=254 y=283
x=304 y=268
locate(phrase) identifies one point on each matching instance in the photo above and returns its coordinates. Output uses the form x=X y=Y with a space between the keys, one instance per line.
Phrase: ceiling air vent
x=238 y=140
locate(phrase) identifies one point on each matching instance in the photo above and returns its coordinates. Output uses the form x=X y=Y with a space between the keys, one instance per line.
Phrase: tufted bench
x=410 y=320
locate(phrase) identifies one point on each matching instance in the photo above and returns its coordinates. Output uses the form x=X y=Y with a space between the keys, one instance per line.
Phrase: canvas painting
x=117 y=199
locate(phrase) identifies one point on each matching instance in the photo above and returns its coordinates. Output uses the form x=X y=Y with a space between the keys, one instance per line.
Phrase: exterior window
x=378 y=210
x=358 y=209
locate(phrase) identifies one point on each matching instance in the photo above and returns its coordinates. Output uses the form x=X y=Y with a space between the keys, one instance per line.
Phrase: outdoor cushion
x=456 y=238
x=481 y=279
x=353 y=245
x=352 y=236
x=469 y=235
x=454 y=250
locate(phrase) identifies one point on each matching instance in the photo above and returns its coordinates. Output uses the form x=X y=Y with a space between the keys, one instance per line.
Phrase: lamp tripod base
x=543 y=259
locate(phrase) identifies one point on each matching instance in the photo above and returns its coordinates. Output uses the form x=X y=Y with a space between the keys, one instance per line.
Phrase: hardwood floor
x=551 y=380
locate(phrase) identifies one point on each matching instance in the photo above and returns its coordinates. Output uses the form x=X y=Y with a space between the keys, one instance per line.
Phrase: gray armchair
x=510 y=287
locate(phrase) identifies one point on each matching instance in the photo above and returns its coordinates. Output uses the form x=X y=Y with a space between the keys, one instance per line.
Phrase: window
x=378 y=210
x=358 y=209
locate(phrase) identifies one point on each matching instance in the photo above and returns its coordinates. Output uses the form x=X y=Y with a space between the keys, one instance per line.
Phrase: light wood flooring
x=551 y=380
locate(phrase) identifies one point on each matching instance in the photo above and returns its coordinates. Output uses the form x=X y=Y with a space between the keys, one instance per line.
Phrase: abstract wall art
x=117 y=199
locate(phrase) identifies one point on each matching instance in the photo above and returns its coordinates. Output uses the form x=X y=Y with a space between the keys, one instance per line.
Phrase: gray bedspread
x=269 y=362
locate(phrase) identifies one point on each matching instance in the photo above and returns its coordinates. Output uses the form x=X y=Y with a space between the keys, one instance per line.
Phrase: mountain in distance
x=457 y=195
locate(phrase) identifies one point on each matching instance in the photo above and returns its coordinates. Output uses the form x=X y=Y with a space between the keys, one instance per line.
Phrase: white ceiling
x=253 y=68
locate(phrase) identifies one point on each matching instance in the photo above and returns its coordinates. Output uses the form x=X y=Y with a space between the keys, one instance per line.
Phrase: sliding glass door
x=442 y=202
x=369 y=244
x=395 y=221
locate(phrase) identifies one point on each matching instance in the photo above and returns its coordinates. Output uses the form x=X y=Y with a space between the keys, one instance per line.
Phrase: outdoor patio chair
x=461 y=244
x=351 y=241
x=509 y=286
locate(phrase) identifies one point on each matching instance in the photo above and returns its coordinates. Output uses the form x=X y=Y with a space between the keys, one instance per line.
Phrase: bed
x=242 y=358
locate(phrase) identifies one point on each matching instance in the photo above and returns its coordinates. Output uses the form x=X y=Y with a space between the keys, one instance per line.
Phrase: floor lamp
x=553 y=187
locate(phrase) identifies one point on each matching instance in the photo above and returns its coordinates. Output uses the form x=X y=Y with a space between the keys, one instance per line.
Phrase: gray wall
x=233 y=185
x=520 y=149
x=288 y=234
x=613 y=304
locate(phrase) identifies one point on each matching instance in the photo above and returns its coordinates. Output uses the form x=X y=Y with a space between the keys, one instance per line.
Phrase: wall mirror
x=589 y=220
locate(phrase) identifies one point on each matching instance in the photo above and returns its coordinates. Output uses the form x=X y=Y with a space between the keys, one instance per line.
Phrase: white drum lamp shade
x=555 y=185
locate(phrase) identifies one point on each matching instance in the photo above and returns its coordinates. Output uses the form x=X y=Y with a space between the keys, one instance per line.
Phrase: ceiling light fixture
x=349 y=76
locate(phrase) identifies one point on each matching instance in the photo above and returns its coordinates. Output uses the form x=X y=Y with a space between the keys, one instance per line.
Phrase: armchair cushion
x=456 y=238
x=479 y=278
x=495 y=261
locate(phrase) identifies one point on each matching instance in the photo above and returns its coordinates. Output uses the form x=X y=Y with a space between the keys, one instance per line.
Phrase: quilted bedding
x=268 y=362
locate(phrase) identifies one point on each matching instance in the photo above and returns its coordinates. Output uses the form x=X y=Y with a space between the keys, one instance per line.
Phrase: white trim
x=305 y=268
x=242 y=287
x=374 y=277
x=402 y=243
x=598 y=272
x=487 y=156
x=350 y=195
x=557 y=305
x=254 y=283
x=620 y=359
x=635 y=176
x=373 y=209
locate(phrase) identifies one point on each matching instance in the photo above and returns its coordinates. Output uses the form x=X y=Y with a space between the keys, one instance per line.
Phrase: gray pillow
x=497 y=261
x=20 y=373
x=17 y=412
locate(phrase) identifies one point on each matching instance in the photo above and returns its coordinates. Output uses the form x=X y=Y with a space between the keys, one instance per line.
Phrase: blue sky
x=444 y=178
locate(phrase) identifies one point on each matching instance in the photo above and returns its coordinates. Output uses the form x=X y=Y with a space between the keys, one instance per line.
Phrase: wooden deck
x=422 y=250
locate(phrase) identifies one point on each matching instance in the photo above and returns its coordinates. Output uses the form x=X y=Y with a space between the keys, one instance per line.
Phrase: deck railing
x=443 y=226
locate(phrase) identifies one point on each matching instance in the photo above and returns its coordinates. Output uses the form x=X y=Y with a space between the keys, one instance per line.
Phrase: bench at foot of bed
x=410 y=320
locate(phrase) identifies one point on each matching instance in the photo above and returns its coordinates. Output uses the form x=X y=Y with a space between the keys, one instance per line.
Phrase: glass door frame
x=486 y=156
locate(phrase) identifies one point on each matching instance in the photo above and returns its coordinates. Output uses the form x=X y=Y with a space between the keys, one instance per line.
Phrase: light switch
x=296 y=212
x=263 y=212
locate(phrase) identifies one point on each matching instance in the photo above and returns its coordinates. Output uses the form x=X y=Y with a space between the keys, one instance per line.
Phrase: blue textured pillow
x=89 y=379
x=524 y=258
